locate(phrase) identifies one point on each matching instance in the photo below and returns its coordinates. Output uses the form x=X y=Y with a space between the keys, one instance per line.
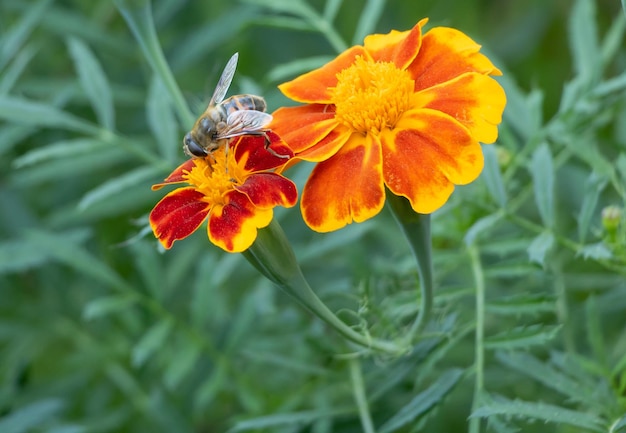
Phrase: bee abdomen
x=244 y=102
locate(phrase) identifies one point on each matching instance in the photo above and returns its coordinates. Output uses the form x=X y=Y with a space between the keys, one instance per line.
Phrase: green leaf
x=11 y=135
x=162 y=121
x=542 y=171
x=68 y=428
x=58 y=150
x=11 y=74
x=106 y=305
x=138 y=16
x=585 y=147
x=569 y=385
x=70 y=168
x=18 y=256
x=523 y=112
x=206 y=39
x=597 y=251
x=148 y=263
x=540 y=247
x=612 y=42
x=612 y=86
x=75 y=256
x=594 y=185
x=583 y=39
x=424 y=401
x=29 y=418
x=13 y=39
x=541 y=411
x=370 y=15
x=22 y=254
x=213 y=271
x=523 y=337
x=508 y=271
x=594 y=331
x=295 y=7
x=492 y=176
x=93 y=81
x=481 y=226
x=187 y=354
x=331 y=7
x=272 y=422
x=152 y=341
x=296 y=67
x=619 y=426
x=621 y=166
x=523 y=303
x=26 y=112
x=118 y=185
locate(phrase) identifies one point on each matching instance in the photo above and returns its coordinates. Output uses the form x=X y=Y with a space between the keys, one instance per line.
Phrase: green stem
x=138 y=16
x=479 y=357
x=416 y=228
x=358 y=388
x=562 y=309
x=271 y=254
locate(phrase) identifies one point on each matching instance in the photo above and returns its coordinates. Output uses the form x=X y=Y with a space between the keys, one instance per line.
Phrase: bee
x=225 y=119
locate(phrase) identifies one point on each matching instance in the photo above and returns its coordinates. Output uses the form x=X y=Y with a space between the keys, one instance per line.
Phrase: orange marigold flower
x=233 y=188
x=405 y=110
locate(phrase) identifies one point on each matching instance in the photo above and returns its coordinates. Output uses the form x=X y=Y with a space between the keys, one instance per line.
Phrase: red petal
x=178 y=215
x=347 y=187
x=266 y=190
x=177 y=175
x=252 y=155
x=233 y=227
x=315 y=86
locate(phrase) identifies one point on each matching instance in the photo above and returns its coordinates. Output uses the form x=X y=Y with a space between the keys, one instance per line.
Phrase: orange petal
x=475 y=100
x=425 y=155
x=178 y=215
x=397 y=47
x=328 y=146
x=233 y=227
x=304 y=126
x=315 y=86
x=177 y=176
x=445 y=54
x=348 y=187
x=266 y=190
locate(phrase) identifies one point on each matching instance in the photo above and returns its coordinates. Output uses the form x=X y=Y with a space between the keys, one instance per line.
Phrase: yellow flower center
x=214 y=175
x=371 y=96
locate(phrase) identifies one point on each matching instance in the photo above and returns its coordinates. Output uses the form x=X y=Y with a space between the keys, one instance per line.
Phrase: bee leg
x=268 y=143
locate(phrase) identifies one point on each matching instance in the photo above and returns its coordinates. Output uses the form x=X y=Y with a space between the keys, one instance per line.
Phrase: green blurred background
x=101 y=331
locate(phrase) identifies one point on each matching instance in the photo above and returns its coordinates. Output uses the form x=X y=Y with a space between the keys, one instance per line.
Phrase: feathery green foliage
x=102 y=332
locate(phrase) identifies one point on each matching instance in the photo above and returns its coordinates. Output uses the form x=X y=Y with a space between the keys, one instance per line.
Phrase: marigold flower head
x=404 y=111
x=233 y=188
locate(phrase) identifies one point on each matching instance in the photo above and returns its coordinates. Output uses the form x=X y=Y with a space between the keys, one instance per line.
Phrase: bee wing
x=224 y=82
x=243 y=122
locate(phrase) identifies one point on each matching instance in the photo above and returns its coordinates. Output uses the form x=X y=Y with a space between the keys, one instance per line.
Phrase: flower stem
x=416 y=228
x=359 y=395
x=138 y=16
x=272 y=255
x=479 y=361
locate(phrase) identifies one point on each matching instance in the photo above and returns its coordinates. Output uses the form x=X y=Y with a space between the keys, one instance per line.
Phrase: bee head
x=192 y=148
x=208 y=126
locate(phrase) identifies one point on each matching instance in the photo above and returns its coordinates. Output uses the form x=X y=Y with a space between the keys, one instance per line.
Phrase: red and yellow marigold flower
x=404 y=111
x=233 y=188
